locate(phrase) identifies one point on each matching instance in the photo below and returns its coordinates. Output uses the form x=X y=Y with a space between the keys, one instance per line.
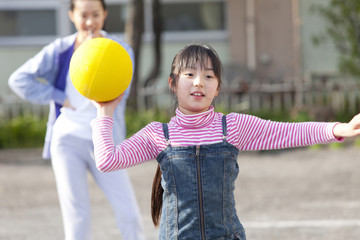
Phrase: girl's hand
x=106 y=109
x=350 y=129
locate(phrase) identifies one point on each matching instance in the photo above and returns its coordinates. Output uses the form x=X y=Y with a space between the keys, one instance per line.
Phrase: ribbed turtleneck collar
x=196 y=120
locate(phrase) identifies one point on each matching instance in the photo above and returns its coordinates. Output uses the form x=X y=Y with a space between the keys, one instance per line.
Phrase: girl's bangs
x=193 y=55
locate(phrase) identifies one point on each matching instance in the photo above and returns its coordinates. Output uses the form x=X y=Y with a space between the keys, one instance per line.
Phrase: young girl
x=68 y=137
x=197 y=150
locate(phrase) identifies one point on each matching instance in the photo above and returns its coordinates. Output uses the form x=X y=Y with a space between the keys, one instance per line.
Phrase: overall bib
x=198 y=199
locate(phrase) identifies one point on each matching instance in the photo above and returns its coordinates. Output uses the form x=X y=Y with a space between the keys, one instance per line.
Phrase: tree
x=157 y=30
x=343 y=28
x=134 y=30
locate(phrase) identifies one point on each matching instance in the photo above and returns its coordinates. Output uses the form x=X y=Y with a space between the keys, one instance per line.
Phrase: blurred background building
x=259 y=41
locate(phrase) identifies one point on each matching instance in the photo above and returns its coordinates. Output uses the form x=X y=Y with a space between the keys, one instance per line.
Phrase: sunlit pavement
x=281 y=195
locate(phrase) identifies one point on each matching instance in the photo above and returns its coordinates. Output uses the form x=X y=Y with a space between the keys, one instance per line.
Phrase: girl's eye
x=189 y=74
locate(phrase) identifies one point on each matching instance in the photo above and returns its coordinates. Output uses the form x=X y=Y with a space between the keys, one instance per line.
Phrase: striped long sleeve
x=141 y=147
x=252 y=133
x=246 y=132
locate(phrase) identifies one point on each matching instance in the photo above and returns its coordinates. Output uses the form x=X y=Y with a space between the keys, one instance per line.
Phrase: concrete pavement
x=281 y=195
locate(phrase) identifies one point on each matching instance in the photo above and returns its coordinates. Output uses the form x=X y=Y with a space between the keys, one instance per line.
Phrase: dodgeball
x=101 y=69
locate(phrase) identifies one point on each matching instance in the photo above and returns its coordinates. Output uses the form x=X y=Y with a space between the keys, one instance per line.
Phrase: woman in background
x=68 y=138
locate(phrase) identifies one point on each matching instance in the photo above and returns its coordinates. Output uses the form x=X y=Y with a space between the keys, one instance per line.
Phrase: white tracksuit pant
x=72 y=157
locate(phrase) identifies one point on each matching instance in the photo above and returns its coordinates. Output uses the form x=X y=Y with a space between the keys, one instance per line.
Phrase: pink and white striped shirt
x=245 y=132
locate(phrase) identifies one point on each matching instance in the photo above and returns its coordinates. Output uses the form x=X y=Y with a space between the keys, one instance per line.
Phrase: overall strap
x=166 y=133
x=224 y=127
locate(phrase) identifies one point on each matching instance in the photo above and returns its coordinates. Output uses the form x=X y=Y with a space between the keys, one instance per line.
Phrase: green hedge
x=24 y=131
x=137 y=120
x=29 y=131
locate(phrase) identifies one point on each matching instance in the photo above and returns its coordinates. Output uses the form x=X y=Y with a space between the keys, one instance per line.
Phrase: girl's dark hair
x=156 y=197
x=188 y=57
x=72 y=4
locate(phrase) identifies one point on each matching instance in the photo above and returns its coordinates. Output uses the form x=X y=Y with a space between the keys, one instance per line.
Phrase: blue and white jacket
x=51 y=64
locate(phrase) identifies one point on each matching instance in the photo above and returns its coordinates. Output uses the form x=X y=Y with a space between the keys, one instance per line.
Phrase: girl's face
x=196 y=88
x=88 y=17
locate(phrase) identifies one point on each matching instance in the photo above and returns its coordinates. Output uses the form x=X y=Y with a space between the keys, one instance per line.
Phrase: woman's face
x=88 y=17
x=196 y=88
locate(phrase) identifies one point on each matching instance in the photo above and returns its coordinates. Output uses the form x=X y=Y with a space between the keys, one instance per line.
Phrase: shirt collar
x=194 y=121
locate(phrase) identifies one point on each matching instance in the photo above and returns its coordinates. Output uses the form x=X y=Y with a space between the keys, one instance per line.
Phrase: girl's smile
x=198 y=94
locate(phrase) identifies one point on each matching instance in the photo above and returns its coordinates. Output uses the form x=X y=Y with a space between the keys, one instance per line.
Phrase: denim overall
x=198 y=199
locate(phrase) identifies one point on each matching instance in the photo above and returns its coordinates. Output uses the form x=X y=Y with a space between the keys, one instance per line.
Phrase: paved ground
x=284 y=195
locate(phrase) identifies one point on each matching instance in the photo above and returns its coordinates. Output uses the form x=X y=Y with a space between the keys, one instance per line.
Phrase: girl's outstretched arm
x=350 y=129
x=253 y=133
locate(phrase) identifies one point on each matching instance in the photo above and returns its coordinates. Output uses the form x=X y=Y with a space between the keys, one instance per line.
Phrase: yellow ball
x=101 y=69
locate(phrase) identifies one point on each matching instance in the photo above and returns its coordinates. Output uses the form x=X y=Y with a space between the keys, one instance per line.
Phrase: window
x=15 y=23
x=115 y=22
x=40 y=21
x=193 y=16
x=195 y=19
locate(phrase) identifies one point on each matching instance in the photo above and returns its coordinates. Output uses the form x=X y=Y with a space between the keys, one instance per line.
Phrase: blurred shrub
x=135 y=121
x=24 y=131
x=29 y=131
